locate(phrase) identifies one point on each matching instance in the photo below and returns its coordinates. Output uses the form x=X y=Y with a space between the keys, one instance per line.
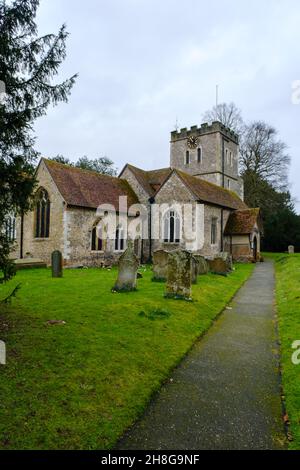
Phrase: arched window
x=42 y=214
x=214 y=228
x=199 y=155
x=97 y=240
x=226 y=156
x=231 y=159
x=10 y=228
x=120 y=239
x=187 y=158
x=172 y=227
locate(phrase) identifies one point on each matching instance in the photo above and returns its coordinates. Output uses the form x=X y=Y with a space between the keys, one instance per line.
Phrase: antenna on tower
x=176 y=125
x=217 y=95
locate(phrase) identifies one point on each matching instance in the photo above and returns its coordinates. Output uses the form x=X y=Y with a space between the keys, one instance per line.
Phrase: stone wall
x=143 y=196
x=210 y=140
x=175 y=192
x=43 y=247
x=78 y=240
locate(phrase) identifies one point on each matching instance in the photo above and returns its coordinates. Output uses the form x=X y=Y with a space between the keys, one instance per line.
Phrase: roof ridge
x=148 y=171
x=228 y=191
x=82 y=170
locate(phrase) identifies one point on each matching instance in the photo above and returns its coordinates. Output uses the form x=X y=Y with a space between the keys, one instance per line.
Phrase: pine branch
x=12 y=295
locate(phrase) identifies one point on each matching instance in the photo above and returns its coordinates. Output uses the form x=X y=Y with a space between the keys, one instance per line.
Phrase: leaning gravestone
x=127 y=275
x=202 y=265
x=57 y=264
x=160 y=266
x=291 y=250
x=179 y=276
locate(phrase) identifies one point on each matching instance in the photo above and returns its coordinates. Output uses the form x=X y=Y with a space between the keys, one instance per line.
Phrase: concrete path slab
x=226 y=392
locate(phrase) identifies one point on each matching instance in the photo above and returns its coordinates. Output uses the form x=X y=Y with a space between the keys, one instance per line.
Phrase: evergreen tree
x=28 y=64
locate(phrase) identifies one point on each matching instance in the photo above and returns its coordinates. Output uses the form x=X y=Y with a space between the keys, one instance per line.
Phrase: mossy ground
x=288 y=305
x=80 y=385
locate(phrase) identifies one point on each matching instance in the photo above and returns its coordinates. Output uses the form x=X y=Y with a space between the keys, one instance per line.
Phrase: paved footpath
x=225 y=394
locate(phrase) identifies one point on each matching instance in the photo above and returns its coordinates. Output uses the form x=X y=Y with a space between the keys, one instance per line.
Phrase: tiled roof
x=152 y=180
x=84 y=188
x=211 y=193
x=241 y=222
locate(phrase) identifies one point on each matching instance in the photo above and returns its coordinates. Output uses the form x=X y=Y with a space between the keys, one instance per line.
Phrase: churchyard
x=83 y=361
x=287 y=268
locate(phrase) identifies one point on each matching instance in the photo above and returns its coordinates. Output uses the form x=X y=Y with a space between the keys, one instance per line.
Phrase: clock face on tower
x=192 y=142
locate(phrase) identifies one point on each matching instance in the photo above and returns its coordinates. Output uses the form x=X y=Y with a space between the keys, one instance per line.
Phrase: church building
x=203 y=175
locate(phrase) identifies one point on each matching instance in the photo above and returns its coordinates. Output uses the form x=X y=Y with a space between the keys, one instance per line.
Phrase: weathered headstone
x=227 y=257
x=160 y=266
x=203 y=267
x=128 y=266
x=57 y=264
x=194 y=268
x=179 y=276
x=218 y=265
x=291 y=249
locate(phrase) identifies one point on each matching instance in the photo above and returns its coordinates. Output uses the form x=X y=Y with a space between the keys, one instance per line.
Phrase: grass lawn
x=80 y=385
x=288 y=304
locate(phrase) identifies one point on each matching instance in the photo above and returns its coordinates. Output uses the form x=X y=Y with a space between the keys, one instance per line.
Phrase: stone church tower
x=210 y=152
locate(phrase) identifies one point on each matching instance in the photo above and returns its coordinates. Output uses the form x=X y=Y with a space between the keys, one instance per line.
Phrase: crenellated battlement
x=205 y=128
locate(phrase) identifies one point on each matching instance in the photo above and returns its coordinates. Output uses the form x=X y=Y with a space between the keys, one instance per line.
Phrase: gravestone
x=194 y=268
x=127 y=274
x=160 y=266
x=228 y=260
x=57 y=264
x=218 y=265
x=202 y=265
x=291 y=249
x=179 y=275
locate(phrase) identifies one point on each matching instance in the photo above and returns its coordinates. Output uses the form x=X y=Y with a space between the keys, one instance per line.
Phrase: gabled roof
x=242 y=222
x=150 y=181
x=84 y=188
x=211 y=193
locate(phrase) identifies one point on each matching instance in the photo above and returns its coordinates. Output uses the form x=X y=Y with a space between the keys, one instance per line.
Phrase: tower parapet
x=209 y=152
x=204 y=129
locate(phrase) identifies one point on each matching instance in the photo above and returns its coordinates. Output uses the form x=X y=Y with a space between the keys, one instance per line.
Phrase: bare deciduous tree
x=264 y=155
x=228 y=114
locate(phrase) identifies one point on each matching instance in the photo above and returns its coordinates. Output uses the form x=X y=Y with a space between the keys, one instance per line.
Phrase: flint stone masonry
x=291 y=249
x=210 y=141
x=179 y=280
x=127 y=275
x=57 y=264
x=160 y=265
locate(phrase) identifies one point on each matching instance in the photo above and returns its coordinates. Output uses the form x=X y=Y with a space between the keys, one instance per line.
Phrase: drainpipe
x=22 y=236
x=223 y=162
x=151 y=200
x=222 y=230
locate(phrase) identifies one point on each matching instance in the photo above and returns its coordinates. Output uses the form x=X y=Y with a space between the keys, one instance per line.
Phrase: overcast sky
x=144 y=63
